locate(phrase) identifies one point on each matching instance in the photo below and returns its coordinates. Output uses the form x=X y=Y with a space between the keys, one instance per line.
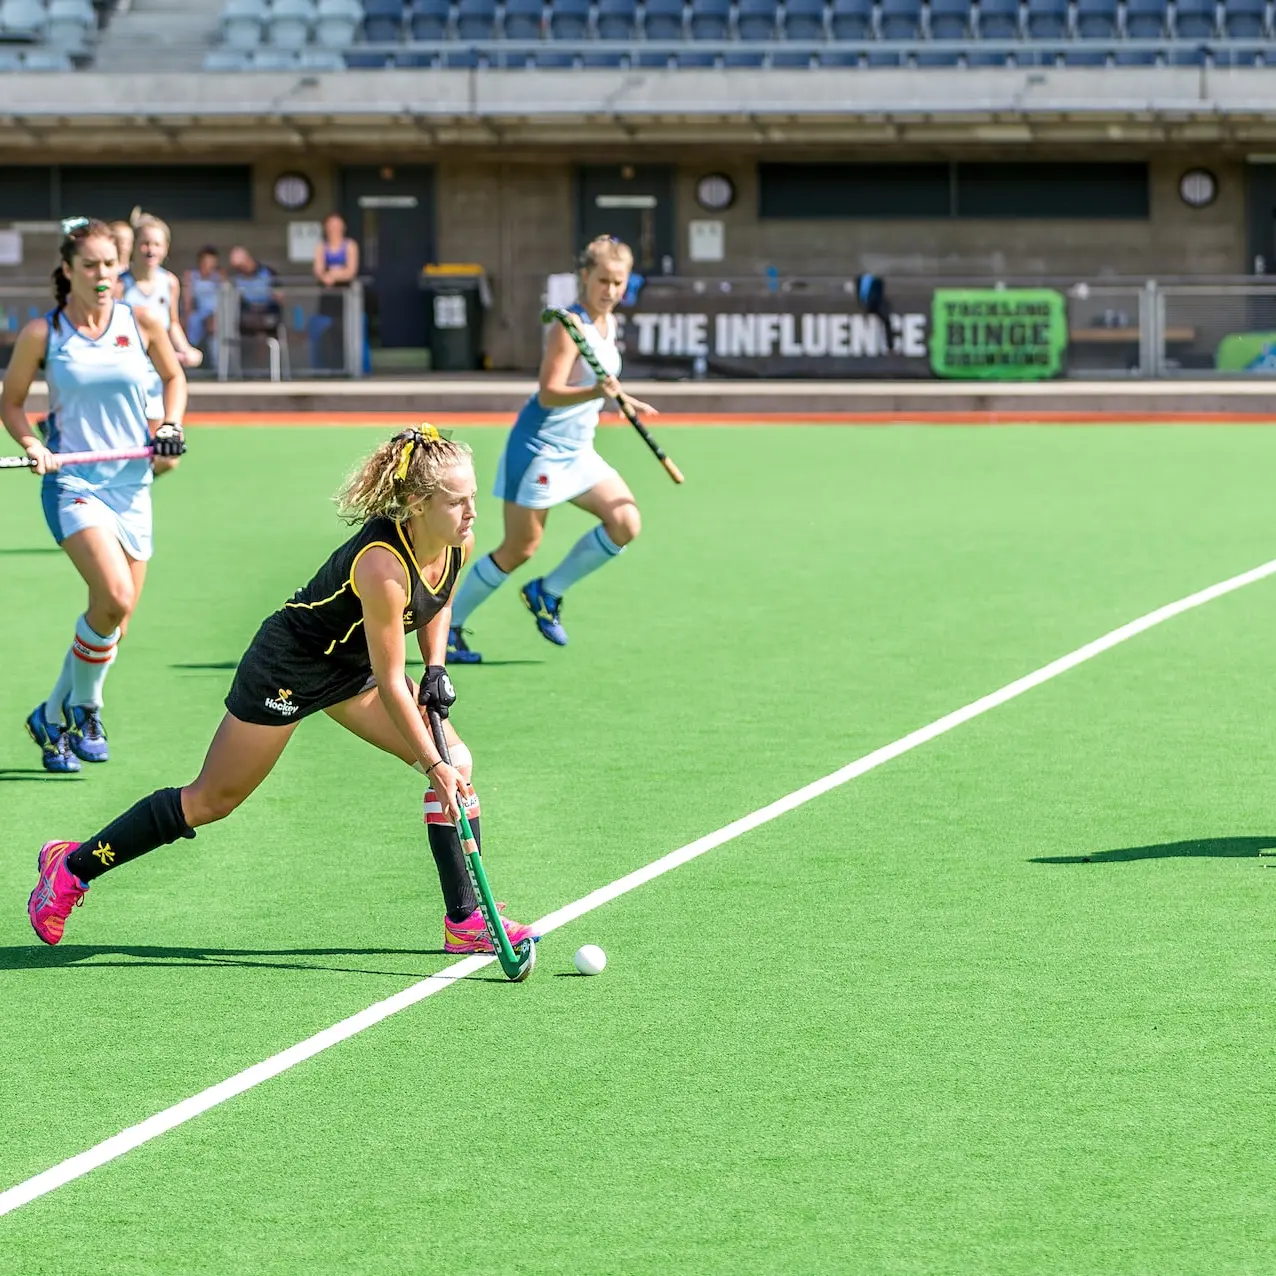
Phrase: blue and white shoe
x=86 y=733
x=545 y=607
x=459 y=651
x=55 y=745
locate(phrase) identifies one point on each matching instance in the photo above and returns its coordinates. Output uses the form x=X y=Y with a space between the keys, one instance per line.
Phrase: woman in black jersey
x=337 y=646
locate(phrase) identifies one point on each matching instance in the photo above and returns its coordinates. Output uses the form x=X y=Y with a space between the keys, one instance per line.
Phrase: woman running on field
x=98 y=357
x=336 y=646
x=550 y=460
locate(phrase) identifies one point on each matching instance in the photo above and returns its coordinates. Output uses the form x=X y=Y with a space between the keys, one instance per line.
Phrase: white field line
x=187 y=1109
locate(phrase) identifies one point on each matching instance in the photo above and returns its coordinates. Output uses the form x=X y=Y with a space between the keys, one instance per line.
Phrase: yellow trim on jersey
x=322 y=601
x=407 y=575
x=447 y=571
x=338 y=641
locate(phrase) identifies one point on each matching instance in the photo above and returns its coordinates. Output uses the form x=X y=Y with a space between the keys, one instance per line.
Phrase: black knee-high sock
x=154 y=821
x=454 y=877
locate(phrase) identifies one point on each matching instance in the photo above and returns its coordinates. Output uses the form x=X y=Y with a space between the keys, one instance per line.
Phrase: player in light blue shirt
x=98 y=358
x=550 y=460
x=146 y=285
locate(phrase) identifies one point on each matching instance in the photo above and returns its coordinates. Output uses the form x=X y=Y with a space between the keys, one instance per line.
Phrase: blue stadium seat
x=337 y=23
x=1047 y=19
x=524 y=19
x=24 y=19
x=663 y=20
x=290 y=23
x=1244 y=19
x=757 y=19
x=1096 y=21
x=709 y=20
x=242 y=22
x=361 y=60
x=553 y=58
x=428 y=19
x=1194 y=19
x=71 y=23
x=803 y=20
x=475 y=20
x=850 y=20
x=609 y=61
x=569 y=19
x=999 y=20
x=617 y=20
x=949 y=19
x=382 y=21
x=415 y=61
x=1144 y=20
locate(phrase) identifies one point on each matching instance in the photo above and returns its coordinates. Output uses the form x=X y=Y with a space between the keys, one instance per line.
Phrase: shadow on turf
x=216 y=664
x=31 y=549
x=1206 y=847
x=37 y=957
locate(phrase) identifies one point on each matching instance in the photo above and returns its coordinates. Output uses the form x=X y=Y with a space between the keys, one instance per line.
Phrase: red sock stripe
x=434 y=809
x=92 y=660
x=110 y=646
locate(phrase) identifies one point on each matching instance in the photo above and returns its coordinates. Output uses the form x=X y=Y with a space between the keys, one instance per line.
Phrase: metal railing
x=305 y=331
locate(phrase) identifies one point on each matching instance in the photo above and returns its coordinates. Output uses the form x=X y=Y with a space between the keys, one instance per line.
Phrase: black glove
x=169 y=440
x=436 y=690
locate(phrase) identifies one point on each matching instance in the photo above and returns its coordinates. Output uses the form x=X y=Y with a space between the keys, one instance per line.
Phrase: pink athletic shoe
x=56 y=893
x=470 y=936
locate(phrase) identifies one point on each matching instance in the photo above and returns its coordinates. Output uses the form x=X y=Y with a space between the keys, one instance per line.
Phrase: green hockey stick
x=570 y=322
x=516 y=962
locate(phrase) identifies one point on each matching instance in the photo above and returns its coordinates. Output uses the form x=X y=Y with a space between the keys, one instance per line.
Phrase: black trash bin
x=453 y=319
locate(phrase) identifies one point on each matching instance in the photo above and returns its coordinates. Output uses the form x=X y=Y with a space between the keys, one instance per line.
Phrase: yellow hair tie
x=429 y=434
x=402 y=472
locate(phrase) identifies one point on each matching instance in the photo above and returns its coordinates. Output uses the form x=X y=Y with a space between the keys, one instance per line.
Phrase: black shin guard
x=454 y=877
x=154 y=821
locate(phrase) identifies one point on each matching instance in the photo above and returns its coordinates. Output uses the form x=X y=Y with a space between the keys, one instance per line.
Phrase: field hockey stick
x=516 y=960
x=568 y=320
x=78 y=458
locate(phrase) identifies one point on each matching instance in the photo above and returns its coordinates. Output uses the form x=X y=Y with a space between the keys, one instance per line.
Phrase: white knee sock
x=93 y=654
x=484 y=580
x=61 y=689
x=591 y=552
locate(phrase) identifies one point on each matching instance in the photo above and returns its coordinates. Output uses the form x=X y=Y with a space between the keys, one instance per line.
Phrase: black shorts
x=279 y=681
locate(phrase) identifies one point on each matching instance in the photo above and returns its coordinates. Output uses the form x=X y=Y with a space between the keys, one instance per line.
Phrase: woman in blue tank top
x=98 y=358
x=550 y=460
x=335 y=265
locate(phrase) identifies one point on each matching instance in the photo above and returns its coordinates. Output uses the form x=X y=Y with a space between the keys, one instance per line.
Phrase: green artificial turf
x=904 y=1029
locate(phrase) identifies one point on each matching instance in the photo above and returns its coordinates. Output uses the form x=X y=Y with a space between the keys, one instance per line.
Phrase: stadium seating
x=699 y=34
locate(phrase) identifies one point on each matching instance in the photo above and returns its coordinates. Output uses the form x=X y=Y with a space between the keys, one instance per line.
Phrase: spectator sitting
x=261 y=312
x=200 y=296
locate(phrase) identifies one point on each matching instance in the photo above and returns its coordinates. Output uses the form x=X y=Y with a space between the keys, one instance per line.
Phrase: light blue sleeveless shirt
x=97 y=399
x=561 y=431
x=159 y=302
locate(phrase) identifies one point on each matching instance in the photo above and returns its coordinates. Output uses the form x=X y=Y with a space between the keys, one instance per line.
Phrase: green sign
x=998 y=334
x=1246 y=352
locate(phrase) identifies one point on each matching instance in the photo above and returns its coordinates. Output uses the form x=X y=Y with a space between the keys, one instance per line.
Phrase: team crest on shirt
x=122 y=342
x=407 y=618
x=283 y=704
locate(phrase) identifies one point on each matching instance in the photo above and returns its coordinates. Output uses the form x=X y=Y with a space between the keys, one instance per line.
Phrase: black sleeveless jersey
x=326 y=616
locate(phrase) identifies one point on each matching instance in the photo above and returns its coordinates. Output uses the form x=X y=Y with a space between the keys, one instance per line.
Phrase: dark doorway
x=390 y=212
x=1260 y=219
x=635 y=203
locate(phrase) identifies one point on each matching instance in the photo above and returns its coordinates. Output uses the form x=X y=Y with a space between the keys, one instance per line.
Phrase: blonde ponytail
x=402 y=471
